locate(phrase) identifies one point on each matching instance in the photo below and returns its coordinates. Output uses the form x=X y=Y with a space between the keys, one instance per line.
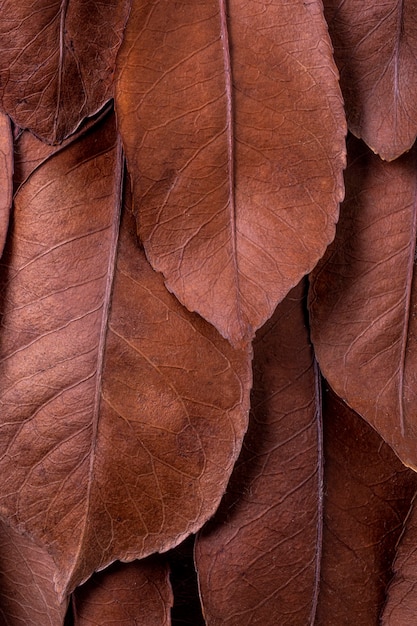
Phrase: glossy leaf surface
x=363 y=298
x=259 y=561
x=367 y=495
x=57 y=61
x=125 y=594
x=122 y=413
x=376 y=51
x=234 y=129
x=6 y=176
x=27 y=593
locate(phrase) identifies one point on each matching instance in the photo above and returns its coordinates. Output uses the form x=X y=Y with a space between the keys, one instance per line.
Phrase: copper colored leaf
x=122 y=414
x=234 y=129
x=258 y=562
x=376 y=51
x=27 y=594
x=57 y=61
x=401 y=604
x=367 y=496
x=363 y=298
x=6 y=176
x=125 y=594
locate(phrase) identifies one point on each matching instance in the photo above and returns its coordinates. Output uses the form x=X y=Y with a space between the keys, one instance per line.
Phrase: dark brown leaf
x=126 y=594
x=376 y=51
x=122 y=414
x=367 y=496
x=6 y=176
x=363 y=298
x=259 y=561
x=234 y=133
x=57 y=61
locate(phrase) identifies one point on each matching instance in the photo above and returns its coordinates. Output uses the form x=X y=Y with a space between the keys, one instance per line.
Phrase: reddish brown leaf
x=126 y=594
x=30 y=152
x=234 y=132
x=367 y=496
x=57 y=61
x=27 y=594
x=363 y=298
x=376 y=51
x=122 y=414
x=6 y=176
x=258 y=562
x=401 y=605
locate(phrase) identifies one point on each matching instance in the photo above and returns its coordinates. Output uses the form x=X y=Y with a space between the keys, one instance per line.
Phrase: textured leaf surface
x=27 y=593
x=376 y=52
x=57 y=61
x=401 y=605
x=363 y=298
x=367 y=495
x=258 y=562
x=6 y=176
x=125 y=594
x=122 y=414
x=234 y=129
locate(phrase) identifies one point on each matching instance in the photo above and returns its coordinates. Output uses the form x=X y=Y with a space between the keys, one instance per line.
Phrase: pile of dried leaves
x=171 y=171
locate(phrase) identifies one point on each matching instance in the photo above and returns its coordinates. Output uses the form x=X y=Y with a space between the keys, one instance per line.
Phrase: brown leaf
x=258 y=563
x=125 y=594
x=234 y=133
x=122 y=414
x=30 y=152
x=367 y=496
x=6 y=176
x=57 y=61
x=27 y=594
x=363 y=298
x=401 y=605
x=376 y=52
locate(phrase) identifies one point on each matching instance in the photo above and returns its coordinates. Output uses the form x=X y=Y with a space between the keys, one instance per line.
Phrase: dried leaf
x=376 y=51
x=367 y=496
x=125 y=594
x=234 y=129
x=27 y=594
x=363 y=298
x=122 y=414
x=401 y=604
x=258 y=562
x=6 y=176
x=57 y=61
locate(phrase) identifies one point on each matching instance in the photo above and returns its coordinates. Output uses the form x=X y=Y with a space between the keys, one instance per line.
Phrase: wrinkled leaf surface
x=125 y=594
x=363 y=298
x=57 y=61
x=367 y=495
x=233 y=128
x=259 y=561
x=122 y=414
x=376 y=51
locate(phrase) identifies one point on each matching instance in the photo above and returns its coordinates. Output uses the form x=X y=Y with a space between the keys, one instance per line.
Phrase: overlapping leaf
x=401 y=605
x=259 y=561
x=27 y=593
x=363 y=298
x=367 y=497
x=6 y=176
x=57 y=61
x=234 y=130
x=376 y=51
x=122 y=414
x=126 y=594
